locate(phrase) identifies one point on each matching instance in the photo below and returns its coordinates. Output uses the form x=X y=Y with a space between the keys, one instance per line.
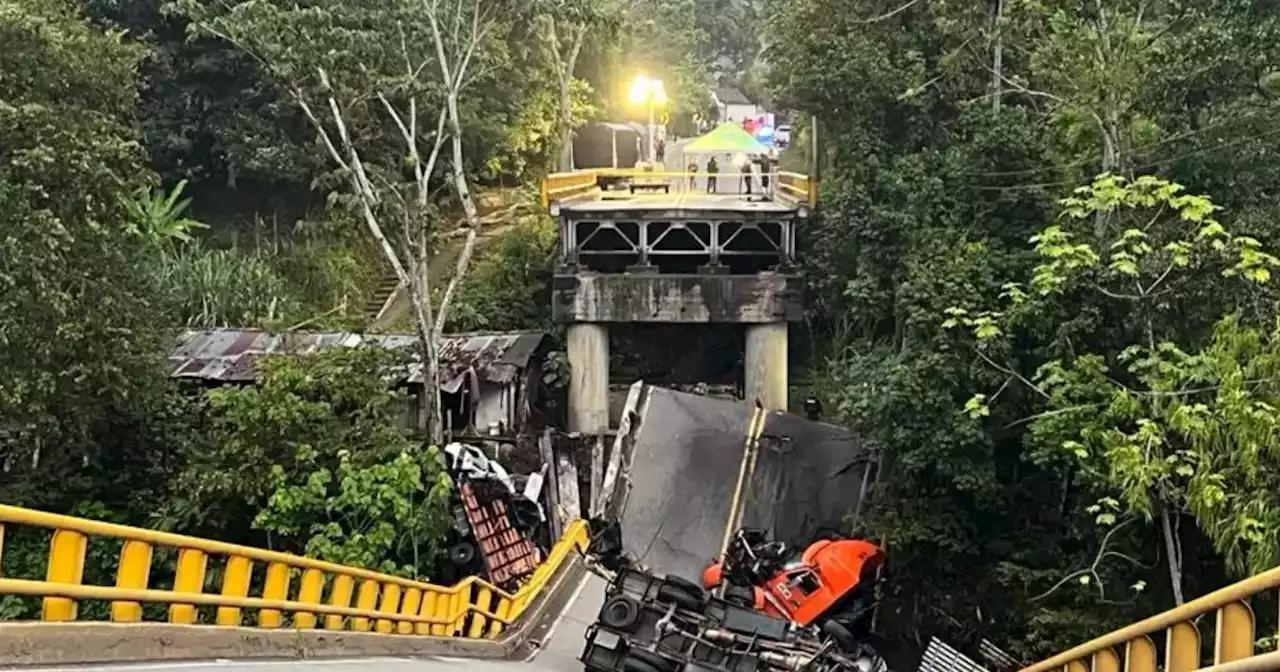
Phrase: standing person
x=743 y=165
x=765 y=167
x=693 y=174
x=662 y=151
x=712 y=170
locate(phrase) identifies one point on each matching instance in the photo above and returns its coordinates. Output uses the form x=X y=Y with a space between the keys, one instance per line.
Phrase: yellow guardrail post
x=1235 y=633
x=134 y=572
x=390 y=604
x=1140 y=655
x=458 y=610
x=503 y=612
x=365 y=601
x=484 y=599
x=309 y=593
x=1183 y=648
x=236 y=577
x=339 y=596
x=428 y=610
x=409 y=607
x=66 y=565
x=192 y=565
x=444 y=609
x=276 y=587
x=1106 y=660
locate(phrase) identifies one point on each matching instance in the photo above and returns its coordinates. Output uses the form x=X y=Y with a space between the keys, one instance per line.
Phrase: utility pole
x=815 y=150
x=653 y=132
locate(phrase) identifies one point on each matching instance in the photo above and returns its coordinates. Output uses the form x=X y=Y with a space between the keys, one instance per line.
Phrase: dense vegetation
x=1041 y=286
x=162 y=165
x=1074 y=398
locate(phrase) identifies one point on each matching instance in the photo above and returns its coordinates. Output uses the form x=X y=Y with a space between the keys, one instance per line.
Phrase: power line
x=1151 y=145
x=1152 y=164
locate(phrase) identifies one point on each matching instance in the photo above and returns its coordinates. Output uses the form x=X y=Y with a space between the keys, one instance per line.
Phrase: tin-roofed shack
x=491 y=382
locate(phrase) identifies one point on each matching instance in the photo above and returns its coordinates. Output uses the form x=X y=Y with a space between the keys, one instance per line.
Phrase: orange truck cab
x=819 y=584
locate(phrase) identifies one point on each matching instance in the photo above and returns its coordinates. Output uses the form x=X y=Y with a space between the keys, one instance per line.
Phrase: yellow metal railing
x=558 y=186
x=798 y=186
x=566 y=186
x=384 y=604
x=1132 y=649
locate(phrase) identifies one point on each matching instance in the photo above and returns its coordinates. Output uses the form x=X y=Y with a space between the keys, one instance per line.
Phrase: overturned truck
x=651 y=622
x=686 y=494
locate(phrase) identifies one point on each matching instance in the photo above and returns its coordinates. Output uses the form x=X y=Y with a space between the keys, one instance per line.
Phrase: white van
x=782 y=136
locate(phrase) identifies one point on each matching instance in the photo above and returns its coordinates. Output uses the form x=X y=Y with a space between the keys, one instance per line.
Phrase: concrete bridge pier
x=765 y=364
x=678 y=259
x=588 y=352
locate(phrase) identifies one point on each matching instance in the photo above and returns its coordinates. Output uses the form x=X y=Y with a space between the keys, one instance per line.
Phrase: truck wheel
x=620 y=612
x=844 y=638
x=462 y=554
x=645 y=661
x=681 y=597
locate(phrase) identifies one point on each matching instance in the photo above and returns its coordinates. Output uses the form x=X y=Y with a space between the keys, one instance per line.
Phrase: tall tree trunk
x=565 y=75
x=468 y=207
x=420 y=297
x=997 y=59
x=1173 y=550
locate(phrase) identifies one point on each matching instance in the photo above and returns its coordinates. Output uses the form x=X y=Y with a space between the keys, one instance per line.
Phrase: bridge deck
x=621 y=201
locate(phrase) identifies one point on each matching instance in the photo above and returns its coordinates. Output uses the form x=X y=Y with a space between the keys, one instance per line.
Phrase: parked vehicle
x=782 y=136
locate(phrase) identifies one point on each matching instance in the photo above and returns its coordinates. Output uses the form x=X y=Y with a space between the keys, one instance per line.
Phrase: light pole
x=649 y=92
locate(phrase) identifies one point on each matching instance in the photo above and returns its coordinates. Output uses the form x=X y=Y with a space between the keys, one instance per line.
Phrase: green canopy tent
x=727 y=138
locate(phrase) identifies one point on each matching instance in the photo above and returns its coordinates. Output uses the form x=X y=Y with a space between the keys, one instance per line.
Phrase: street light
x=649 y=92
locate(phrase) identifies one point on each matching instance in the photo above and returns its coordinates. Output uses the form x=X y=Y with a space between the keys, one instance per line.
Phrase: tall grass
x=207 y=288
x=323 y=285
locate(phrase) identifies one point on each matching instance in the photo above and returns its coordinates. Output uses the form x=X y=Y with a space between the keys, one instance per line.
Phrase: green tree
x=368 y=98
x=79 y=343
x=314 y=455
x=949 y=132
x=1131 y=410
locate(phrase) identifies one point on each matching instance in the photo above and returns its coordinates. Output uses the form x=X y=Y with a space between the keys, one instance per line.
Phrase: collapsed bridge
x=670 y=475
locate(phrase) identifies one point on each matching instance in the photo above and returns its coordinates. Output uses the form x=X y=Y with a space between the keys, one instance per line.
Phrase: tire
x=620 y=612
x=638 y=660
x=844 y=638
x=462 y=554
x=681 y=597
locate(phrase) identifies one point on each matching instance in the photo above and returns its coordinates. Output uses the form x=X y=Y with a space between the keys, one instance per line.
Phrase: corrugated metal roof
x=230 y=355
x=939 y=657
